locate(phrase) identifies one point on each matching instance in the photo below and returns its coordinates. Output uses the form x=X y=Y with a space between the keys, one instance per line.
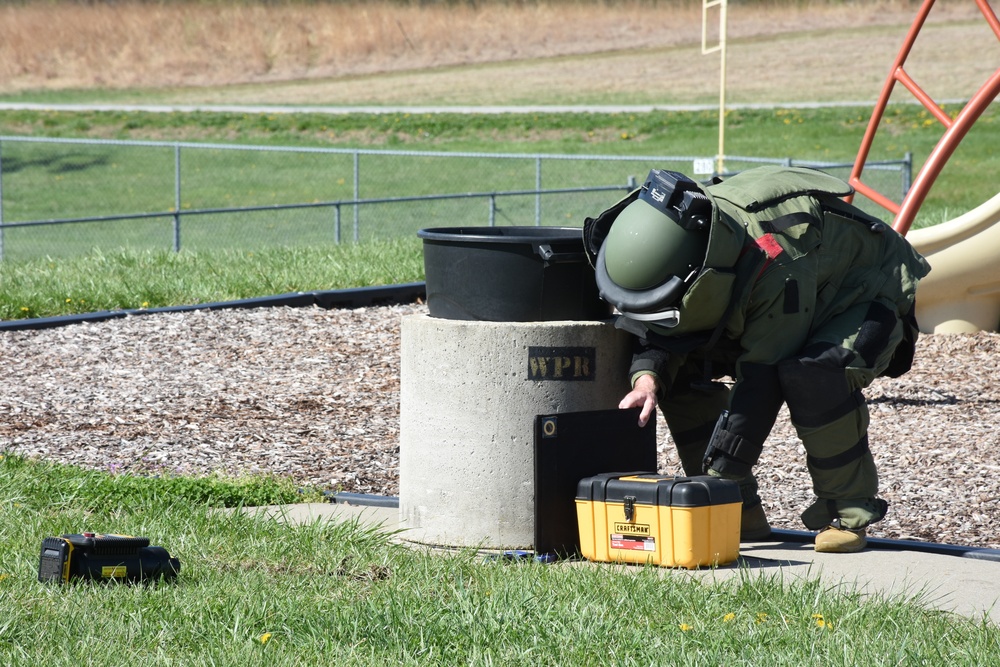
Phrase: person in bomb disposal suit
x=771 y=279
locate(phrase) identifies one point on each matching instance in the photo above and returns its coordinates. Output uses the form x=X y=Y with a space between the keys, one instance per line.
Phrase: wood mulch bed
x=313 y=394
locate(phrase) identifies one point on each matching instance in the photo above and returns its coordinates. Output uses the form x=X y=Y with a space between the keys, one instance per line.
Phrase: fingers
x=640 y=399
x=630 y=401
x=648 y=409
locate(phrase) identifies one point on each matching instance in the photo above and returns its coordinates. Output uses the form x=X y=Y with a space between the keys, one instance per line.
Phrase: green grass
x=131 y=279
x=254 y=591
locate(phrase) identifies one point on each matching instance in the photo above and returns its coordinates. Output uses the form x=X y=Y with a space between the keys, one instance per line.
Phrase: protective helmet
x=655 y=248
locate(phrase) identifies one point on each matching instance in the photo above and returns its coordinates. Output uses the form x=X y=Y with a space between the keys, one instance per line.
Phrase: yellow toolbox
x=669 y=521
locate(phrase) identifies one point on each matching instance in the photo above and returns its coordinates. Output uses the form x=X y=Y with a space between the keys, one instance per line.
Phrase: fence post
x=493 y=210
x=336 y=223
x=357 y=192
x=538 y=191
x=1 y=203
x=177 y=197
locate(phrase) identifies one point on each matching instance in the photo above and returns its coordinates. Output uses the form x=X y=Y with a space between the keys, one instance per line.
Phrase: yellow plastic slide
x=962 y=292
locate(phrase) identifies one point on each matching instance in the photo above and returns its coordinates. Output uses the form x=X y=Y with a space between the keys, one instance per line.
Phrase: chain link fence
x=64 y=197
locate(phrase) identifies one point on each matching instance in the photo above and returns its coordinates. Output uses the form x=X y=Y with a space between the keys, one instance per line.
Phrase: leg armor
x=831 y=419
x=739 y=435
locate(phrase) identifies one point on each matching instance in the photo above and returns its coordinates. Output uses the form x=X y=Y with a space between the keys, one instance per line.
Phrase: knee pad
x=815 y=385
x=739 y=435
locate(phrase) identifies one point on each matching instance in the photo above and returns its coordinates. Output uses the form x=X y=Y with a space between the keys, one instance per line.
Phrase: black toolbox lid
x=653 y=489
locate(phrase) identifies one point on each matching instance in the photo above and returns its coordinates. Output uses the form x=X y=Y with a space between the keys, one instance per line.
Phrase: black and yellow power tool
x=99 y=556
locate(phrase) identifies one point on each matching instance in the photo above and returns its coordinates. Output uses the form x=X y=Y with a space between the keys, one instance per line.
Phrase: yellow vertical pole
x=721 y=48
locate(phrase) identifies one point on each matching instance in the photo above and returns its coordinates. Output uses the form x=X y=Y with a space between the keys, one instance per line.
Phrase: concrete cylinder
x=470 y=391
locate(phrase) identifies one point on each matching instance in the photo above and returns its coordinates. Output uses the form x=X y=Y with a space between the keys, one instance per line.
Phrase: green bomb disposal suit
x=799 y=297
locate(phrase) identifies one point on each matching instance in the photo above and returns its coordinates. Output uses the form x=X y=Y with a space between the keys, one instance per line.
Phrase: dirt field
x=495 y=53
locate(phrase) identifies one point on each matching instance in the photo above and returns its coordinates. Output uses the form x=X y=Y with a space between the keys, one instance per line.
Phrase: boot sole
x=821 y=548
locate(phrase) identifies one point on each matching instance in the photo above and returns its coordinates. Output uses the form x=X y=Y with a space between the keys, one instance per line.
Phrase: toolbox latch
x=629 y=508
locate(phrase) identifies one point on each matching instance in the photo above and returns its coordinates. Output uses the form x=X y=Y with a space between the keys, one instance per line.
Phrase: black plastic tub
x=509 y=274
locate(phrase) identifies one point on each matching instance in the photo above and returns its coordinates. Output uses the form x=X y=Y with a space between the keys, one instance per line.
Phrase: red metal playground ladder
x=955 y=128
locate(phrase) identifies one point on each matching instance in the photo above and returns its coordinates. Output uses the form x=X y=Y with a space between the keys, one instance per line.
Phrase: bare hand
x=643 y=395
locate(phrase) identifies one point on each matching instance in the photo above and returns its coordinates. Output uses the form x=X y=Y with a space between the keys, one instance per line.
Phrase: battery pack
x=104 y=556
x=668 y=521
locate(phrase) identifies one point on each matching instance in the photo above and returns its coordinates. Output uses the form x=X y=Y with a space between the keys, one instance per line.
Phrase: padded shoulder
x=758 y=188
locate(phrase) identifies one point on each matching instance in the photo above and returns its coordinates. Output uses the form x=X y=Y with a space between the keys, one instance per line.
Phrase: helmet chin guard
x=655 y=305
